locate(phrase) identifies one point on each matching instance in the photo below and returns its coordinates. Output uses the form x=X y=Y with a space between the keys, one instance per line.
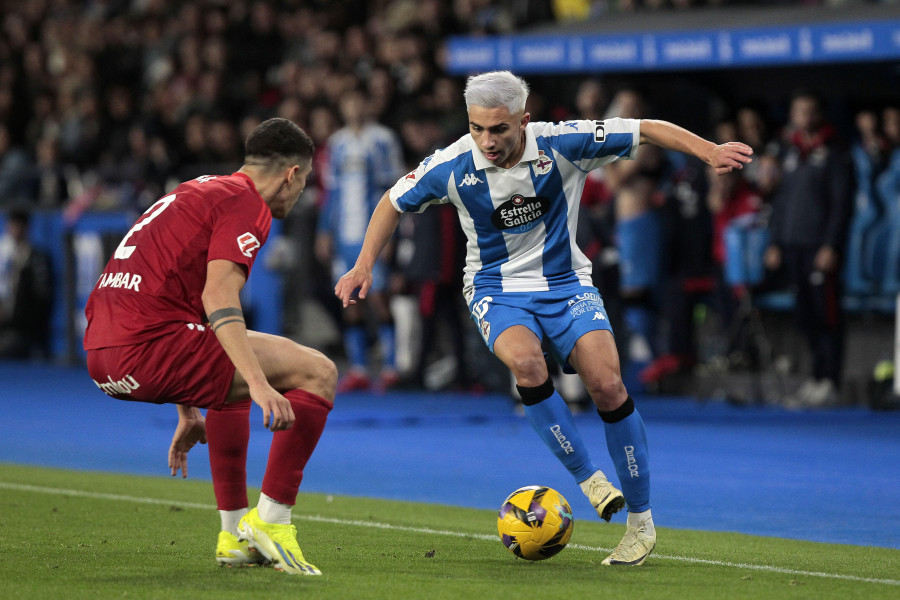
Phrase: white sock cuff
x=231 y=518
x=635 y=519
x=273 y=511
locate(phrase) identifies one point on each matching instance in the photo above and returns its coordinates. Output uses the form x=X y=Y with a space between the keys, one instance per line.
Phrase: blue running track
x=828 y=476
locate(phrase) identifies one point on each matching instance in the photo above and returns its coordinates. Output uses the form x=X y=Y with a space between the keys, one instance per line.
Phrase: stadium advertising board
x=702 y=49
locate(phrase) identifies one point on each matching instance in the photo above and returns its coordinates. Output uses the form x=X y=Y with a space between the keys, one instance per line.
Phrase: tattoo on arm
x=223 y=316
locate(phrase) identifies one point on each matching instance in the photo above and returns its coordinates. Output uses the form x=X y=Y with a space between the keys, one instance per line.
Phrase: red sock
x=228 y=433
x=292 y=448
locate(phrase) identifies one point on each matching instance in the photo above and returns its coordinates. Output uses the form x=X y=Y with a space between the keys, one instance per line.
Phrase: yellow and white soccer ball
x=535 y=522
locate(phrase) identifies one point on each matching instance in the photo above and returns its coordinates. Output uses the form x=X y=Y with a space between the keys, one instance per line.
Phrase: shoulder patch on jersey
x=247 y=242
x=599 y=131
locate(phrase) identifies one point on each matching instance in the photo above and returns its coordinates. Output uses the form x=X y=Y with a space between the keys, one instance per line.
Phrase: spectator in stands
x=871 y=140
x=686 y=270
x=433 y=255
x=596 y=234
x=870 y=224
x=753 y=129
x=633 y=184
x=364 y=158
x=887 y=185
x=889 y=180
x=26 y=287
x=48 y=185
x=890 y=123
x=736 y=204
x=811 y=208
x=700 y=206
x=14 y=165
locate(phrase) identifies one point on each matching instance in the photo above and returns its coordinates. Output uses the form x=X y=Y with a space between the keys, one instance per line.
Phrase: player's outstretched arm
x=191 y=429
x=222 y=303
x=723 y=157
x=381 y=227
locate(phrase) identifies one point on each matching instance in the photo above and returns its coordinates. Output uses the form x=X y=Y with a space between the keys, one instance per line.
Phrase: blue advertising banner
x=705 y=49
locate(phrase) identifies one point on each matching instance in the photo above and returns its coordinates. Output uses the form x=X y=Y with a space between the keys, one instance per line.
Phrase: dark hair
x=277 y=140
x=809 y=94
x=19 y=215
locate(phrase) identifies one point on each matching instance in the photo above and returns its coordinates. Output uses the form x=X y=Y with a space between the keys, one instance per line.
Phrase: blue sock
x=355 y=345
x=626 y=440
x=551 y=418
x=387 y=341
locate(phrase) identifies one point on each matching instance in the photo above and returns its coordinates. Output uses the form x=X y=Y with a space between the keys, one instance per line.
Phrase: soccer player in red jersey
x=165 y=325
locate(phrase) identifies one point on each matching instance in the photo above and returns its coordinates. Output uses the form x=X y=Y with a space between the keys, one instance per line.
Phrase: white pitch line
x=426 y=530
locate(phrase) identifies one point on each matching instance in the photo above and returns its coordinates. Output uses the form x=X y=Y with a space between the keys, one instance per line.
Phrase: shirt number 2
x=124 y=251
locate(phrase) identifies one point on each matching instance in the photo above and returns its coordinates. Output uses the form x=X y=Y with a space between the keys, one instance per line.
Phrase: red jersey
x=156 y=276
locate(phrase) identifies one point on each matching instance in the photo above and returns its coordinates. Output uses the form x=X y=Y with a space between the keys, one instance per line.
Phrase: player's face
x=499 y=135
x=289 y=194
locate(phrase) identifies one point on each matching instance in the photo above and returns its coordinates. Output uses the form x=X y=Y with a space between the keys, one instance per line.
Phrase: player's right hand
x=729 y=156
x=188 y=432
x=277 y=412
x=356 y=278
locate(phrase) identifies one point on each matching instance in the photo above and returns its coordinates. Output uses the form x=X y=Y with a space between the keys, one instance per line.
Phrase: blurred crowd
x=107 y=104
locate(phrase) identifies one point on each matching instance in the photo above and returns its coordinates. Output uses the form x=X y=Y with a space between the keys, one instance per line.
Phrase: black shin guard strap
x=623 y=412
x=533 y=395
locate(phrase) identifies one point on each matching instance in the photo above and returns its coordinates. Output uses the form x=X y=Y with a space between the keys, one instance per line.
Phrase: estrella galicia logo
x=520 y=213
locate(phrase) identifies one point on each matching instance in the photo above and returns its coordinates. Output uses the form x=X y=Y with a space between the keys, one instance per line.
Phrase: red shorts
x=188 y=366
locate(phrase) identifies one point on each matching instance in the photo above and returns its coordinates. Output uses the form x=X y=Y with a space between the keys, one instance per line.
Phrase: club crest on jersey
x=543 y=164
x=247 y=242
x=520 y=213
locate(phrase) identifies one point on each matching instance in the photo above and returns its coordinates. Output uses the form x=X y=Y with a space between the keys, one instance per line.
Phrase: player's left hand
x=188 y=432
x=729 y=156
x=353 y=285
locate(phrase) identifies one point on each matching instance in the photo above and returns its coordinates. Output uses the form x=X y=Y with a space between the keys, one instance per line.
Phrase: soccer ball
x=535 y=522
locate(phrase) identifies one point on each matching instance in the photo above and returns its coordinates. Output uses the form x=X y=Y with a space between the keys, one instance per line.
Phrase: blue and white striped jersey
x=520 y=222
x=361 y=164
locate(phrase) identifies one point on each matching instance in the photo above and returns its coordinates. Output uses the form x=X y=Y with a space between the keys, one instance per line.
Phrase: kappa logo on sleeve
x=247 y=242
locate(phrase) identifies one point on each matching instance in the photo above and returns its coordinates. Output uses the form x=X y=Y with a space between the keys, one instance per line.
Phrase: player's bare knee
x=320 y=375
x=529 y=370
x=607 y=393
x=329 y=377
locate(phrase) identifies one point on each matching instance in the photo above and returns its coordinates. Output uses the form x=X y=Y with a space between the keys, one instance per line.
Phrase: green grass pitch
x=74 y=534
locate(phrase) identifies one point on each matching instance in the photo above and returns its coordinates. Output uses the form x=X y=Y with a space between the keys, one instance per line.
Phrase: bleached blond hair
x=495 y=89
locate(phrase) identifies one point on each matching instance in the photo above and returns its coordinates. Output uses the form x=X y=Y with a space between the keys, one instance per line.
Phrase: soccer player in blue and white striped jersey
x=516 y=186
x=364 y=158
